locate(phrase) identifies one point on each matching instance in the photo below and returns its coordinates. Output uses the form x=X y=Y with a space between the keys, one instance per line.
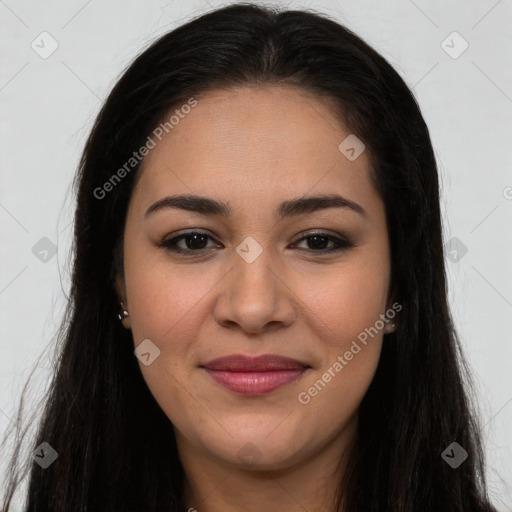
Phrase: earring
x=124 y=317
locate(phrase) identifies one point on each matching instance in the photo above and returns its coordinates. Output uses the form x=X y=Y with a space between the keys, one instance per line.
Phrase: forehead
x=258 y=141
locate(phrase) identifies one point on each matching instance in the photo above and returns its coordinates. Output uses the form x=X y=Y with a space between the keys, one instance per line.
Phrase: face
x=262 y=275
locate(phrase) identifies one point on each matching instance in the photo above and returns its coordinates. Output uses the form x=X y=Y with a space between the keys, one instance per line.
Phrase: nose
x=254 y=297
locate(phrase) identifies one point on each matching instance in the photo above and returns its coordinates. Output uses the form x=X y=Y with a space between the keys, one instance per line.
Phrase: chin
x=257 y=452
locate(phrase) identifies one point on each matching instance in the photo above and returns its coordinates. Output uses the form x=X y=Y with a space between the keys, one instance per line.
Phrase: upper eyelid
x=298 y=238
x=306 y=232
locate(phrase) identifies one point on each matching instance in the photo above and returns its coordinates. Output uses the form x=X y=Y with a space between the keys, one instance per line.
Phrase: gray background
x=48 y=106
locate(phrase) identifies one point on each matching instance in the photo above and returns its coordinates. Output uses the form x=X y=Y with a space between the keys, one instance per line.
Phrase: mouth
x=253 y=376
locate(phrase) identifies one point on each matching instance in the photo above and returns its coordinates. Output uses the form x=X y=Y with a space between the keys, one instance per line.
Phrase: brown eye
x=193 y=241
x=319 y=243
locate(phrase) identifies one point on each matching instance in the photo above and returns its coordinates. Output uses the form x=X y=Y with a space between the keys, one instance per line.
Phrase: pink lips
x=254 y=375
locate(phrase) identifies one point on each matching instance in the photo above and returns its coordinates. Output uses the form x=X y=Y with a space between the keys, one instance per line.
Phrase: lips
x=254 y=375
x=240 y=363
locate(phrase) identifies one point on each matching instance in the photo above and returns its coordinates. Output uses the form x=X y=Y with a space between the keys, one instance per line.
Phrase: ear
x=120 y=288
x=118 y=273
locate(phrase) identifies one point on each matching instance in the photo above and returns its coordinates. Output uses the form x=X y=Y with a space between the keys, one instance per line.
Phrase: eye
x=197 y=242
x=317 y=243
x=192 y=241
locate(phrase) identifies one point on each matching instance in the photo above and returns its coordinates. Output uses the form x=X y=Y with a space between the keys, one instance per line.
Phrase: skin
x=255 y=147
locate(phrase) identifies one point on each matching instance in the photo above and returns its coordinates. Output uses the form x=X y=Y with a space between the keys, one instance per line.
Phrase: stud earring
x=124 y=317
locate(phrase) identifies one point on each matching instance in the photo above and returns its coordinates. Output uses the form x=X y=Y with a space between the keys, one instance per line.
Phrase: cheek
x=350 y=349
x=345 y=300
x=334 y=395
x=167 y=306
x=346 y=306
x=165 y=299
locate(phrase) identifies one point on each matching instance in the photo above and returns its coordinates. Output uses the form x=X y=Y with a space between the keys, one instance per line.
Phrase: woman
x=258 y=317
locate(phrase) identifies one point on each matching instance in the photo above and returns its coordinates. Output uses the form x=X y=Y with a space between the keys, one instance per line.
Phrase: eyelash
x=170 y=244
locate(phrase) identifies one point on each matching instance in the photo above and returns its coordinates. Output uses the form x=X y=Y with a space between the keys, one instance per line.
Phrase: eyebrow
x=293 y=207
